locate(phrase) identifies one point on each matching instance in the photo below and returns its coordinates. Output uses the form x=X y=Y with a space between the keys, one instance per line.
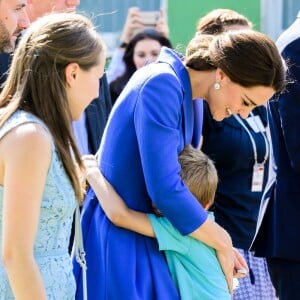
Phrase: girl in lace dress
x=54 y=75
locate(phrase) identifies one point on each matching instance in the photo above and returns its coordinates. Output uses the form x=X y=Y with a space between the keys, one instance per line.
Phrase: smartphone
x=150 y=18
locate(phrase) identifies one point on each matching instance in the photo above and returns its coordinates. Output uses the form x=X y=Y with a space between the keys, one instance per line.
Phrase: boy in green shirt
x=193 y=265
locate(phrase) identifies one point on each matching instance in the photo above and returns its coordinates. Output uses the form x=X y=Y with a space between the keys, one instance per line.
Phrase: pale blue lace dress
x=51 y=245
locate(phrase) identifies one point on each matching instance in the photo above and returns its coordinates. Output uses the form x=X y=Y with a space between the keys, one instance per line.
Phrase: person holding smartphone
x=136 y=21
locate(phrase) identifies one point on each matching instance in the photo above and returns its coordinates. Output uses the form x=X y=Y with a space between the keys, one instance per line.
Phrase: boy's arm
x=112 y=204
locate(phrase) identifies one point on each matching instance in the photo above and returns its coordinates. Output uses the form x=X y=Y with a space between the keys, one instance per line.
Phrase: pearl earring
x=228 y=110
x=217 y=85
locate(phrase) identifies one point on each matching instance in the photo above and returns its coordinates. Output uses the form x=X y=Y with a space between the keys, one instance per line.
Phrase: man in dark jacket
x=13 y=19
x=12 y=16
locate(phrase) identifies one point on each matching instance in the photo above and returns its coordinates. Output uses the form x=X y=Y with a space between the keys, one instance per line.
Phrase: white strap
x=239 y=120
x=79 y=251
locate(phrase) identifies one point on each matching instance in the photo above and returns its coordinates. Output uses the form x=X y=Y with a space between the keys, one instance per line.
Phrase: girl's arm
x=25 y=155
x=113 y=205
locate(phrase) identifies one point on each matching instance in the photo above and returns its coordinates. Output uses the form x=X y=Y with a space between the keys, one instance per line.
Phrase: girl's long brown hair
x=37 y=84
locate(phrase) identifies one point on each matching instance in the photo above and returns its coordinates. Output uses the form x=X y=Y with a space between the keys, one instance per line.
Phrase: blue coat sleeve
x=289 y=106
x=158 y=123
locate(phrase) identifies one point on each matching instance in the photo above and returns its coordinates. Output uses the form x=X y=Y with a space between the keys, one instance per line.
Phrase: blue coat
x=279 y=219
x=150 y=124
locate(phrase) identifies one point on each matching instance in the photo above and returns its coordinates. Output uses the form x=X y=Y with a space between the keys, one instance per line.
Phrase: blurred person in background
x=13 y=19
x=36 y=8
x=142 y=49
x=133 y=24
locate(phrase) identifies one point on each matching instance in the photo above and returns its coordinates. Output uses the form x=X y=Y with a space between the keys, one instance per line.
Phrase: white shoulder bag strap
x=79 y=251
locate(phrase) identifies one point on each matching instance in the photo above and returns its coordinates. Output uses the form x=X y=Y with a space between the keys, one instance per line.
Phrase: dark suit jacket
x=97 y=114
x=279 y=219
x=4 y=63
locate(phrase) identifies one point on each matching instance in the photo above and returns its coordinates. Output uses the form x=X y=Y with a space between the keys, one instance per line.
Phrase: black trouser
x=285 y=276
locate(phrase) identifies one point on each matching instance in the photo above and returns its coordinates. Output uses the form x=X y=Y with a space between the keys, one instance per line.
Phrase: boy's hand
x=241 y=269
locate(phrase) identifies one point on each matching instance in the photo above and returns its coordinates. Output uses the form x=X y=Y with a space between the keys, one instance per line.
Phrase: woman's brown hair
x=249 y=58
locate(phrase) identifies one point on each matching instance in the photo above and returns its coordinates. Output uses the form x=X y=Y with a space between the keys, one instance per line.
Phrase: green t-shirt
x=194 y=266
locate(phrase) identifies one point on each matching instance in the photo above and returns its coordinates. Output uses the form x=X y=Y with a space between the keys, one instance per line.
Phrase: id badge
x=257 y=178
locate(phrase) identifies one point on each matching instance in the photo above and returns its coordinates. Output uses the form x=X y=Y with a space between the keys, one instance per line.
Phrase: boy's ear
x=71 y=72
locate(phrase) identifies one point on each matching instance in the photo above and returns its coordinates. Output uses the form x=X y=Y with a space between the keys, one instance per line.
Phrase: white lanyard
x=258 y=168
x=237 y=117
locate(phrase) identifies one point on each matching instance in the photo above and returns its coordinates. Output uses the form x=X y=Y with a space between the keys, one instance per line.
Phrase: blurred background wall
x=268 y=16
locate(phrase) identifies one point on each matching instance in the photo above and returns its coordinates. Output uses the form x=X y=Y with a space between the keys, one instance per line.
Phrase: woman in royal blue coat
x=150 y=124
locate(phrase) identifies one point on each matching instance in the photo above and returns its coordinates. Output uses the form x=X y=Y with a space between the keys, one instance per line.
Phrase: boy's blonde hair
x=199 y=173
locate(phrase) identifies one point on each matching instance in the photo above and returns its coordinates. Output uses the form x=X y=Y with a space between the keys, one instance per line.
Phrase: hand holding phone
x=150 y=18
